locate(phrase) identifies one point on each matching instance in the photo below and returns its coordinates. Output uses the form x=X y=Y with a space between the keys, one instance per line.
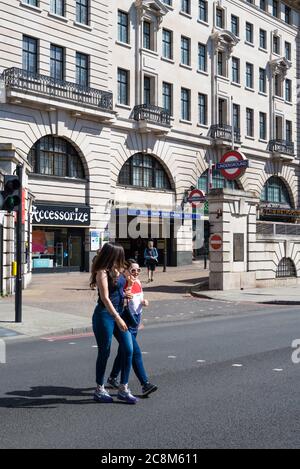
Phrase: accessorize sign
x=60 y=215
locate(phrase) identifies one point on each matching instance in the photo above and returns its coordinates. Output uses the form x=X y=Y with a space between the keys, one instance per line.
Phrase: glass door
x=75 y=251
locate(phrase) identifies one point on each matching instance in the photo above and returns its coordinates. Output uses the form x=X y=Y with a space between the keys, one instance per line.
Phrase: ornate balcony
x=22 y=86
x=152 y=118
x=282 y=149
x=221 y=134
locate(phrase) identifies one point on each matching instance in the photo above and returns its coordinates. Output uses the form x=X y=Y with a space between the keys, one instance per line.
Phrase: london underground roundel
x=233 y=165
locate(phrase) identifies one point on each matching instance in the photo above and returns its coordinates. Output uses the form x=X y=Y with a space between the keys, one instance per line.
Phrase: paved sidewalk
x=64 y=303
x=278 y=295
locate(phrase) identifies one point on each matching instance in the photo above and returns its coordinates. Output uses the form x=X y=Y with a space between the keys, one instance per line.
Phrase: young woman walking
x=107 y=276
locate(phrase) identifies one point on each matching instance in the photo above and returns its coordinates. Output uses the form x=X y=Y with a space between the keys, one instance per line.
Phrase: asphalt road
x=203 y=400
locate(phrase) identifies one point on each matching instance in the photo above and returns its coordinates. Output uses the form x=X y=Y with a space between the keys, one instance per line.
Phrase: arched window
x=286 y=268
x=144 y=171
x=55 y=156
x=275 y=192
x=219 y=182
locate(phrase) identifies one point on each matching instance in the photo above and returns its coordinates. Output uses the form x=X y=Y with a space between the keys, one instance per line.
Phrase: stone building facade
x=119 y=107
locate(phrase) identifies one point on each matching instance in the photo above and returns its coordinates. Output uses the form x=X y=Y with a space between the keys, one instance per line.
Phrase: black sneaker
x=113 y=383
x=148 y=388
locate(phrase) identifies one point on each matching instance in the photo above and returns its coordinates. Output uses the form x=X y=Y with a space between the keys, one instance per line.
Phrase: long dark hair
x=110 y=258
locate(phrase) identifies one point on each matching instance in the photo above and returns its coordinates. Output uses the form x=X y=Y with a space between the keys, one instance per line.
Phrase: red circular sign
x=236 y=165
x=216 y=242
x=196 y=198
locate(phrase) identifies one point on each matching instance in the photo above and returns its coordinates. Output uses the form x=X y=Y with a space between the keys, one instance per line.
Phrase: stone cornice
x=293 y=3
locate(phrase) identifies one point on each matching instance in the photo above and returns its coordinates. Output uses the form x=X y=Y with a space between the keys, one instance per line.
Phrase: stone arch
x=74 y=145
x=286 y=185
x=159 y=160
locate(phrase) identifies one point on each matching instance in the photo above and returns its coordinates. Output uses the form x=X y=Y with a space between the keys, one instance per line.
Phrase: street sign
x=216 y=242
x=232 y=165
x=196 y=198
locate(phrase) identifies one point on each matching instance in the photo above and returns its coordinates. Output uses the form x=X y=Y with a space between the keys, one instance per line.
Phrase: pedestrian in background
x=151 y=260
x=132 y=318
x=107 y=276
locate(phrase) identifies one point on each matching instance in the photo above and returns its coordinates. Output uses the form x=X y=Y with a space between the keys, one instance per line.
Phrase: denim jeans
x=104 y=328
x=137 y=362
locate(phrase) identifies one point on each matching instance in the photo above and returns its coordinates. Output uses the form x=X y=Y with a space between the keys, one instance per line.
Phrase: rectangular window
x=288 y=131
x=57 y=7
x=167 y=44
x=262 y=39
x=278 y=86
x=82 y=69
x=276 y=45
x=123 y=27
x=186 y=6
x=263 y=5
x=262 y=80
x=82 y=11
x=185 y=50
x=123 y=87
x=202 y=57
x=236 y=117
x=57 y=62
x=220 y=18
x=202 y=108
x=287 y=14
x=185 y=104
x=288 y=50
x=235 y=70
x=263 y=126
x=288 y=90
x=147 y=91
x=275 y=8
x=249 y=75
x=147 y=35
x=249 y=122
x=235 y=28
x=221 y=64
x=203 y=11
x=168 y=97
x=249 y=32
x=168 y=2
x=34 y=3
x=30 y=54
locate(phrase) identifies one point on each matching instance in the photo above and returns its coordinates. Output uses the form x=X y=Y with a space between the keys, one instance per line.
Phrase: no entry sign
x=233 y=165
x=196 y=198
x=216 y=242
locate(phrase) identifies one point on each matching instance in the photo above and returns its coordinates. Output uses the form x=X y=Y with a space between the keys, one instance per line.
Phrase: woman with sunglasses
x=107 y=276
x=136 y=301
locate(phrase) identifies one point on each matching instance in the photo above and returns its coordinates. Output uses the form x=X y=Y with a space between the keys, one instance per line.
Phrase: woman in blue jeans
x=107 y=276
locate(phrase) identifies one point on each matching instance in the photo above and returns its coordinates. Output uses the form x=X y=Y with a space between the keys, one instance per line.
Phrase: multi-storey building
x=114 y=107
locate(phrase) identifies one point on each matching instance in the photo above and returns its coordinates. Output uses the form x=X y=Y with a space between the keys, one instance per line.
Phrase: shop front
x=58 y=237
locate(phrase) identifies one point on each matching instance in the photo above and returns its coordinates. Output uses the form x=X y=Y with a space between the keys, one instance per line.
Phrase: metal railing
x=282 y=146
x=224 y=132
x=277 y=229
x=151 y=113
x=43 y=85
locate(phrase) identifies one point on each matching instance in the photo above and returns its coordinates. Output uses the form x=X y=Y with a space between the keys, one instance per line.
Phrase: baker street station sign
x=61 y=215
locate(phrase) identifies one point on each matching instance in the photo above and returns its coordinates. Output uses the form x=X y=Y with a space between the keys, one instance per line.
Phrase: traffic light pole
x=19 y=280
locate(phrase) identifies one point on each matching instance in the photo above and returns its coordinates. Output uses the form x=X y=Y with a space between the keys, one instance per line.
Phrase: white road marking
x=237 y=365
x=94 y=346
x=157 y=317
x=192 y=312
x=278 y=369
x=172 y=356
x=201 y=361
x=145 y=353
x=72 y=343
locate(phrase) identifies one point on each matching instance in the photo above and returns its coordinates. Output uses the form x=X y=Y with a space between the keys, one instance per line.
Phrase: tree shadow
x=38 y=397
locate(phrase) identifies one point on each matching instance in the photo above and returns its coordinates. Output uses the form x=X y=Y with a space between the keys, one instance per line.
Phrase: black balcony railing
x=42 y=85
x=151 y=113
x=224 y=132
x=281 y=146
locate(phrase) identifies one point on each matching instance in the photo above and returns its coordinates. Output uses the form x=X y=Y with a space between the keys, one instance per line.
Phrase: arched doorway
x=147 y=187
x=58 y=228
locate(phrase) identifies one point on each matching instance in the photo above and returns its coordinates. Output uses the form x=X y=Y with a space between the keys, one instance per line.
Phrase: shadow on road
x=38 y=397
